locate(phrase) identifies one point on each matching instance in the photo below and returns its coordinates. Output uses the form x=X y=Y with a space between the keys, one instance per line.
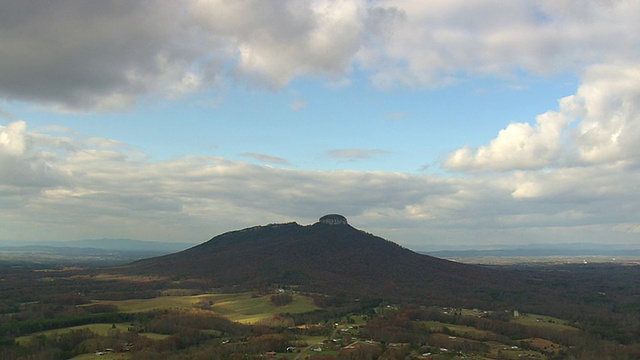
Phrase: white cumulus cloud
x=21 y=164
x=103 y=188
x=277 y=41
x=599 y=124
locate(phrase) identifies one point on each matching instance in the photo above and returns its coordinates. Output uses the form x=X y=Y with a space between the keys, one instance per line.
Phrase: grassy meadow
x=100 y=329
x=240 y=307
x=542 y=321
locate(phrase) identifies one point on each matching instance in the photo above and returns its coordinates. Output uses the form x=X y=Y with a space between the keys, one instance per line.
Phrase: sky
x=434 y=124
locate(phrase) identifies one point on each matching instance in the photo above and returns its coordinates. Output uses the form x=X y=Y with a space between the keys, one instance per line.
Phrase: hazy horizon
x=109 y=243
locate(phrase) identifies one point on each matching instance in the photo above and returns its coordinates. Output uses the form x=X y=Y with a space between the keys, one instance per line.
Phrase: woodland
x=52 y=311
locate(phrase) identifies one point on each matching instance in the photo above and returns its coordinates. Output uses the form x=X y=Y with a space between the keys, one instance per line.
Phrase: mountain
x=329 y=256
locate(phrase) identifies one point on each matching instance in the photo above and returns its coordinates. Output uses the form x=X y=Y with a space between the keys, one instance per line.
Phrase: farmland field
x=459 y=330
x=542 y=321
x=240 y=307
x=100 y=329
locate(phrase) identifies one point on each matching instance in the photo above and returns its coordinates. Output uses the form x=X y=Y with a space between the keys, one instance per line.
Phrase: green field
x=100 y=329
x=458 y=330
x=542 y=321
x=241 y=307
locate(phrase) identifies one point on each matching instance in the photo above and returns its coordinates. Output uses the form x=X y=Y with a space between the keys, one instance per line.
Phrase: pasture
x=99 y=329
x=240 y=307
x=458 y=330
x=543 y=321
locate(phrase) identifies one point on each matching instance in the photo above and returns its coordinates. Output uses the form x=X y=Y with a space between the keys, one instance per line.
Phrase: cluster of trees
x=406 y=326
x=55 y=312
x=176 y=321
x=281 y=299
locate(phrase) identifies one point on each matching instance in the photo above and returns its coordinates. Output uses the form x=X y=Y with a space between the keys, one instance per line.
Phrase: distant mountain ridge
x=85 y=252
x=104 y=244
x=578 y=249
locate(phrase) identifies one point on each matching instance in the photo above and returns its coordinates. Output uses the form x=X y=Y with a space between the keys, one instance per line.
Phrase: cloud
x=426 y=44
x=67 y=184
x=356 y=154
x=609 y=105
x=108 y=190
x=70 y=55
x=12 y=138
x=571 y=171
x=266 y=158
x=519 y=146
x=277 y=42
x=597 y=125
x=298 y=105
x=23 y=166
x=76 y=56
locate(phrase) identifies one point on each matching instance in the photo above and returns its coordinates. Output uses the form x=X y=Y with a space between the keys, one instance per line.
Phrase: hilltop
x=329 y=256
